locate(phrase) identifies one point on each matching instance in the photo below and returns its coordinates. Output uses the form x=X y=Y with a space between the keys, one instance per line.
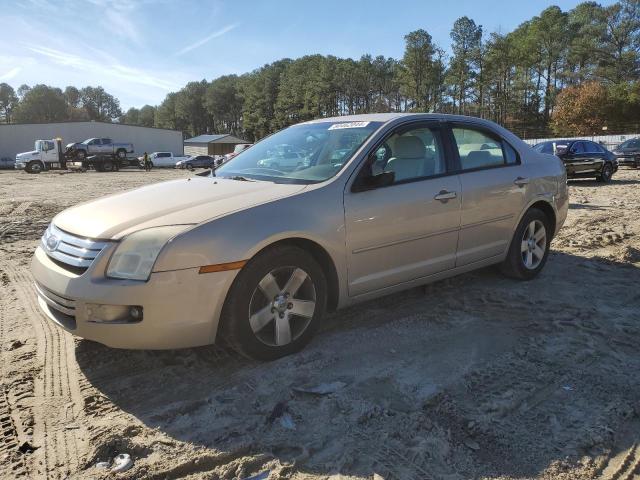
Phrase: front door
x=494 y=186
x=409 y=229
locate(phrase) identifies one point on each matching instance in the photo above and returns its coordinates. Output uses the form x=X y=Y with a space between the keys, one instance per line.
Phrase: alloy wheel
x=282 y=306
x=534 y=244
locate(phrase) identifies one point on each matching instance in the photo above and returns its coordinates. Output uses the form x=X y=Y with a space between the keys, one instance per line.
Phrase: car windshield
x=305 y=153
x=628 y=144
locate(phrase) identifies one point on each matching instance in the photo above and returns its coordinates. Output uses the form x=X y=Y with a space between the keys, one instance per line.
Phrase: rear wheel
x=107 y=166
x=606 y=174
x=122 y=154
x=275 y=304
x=529 y=248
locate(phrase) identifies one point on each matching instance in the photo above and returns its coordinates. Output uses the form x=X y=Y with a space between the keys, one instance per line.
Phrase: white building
x=20 y=137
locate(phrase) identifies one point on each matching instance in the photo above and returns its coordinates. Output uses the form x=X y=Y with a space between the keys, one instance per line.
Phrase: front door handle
x=521 y=181
x=444 y=196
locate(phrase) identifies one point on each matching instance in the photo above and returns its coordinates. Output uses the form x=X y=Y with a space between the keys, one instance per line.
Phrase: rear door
x=494 y=185
x=596 y=154
x=409 y=229
x=106 y=146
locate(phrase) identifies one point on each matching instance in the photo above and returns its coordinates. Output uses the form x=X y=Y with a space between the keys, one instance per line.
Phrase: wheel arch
x=321 y=256
x=547 y=209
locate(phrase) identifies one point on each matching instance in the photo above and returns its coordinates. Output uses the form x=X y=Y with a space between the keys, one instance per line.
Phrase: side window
x=411 y=153
x=106 y=141
x=164 y=154
x=577 y=147
x=479 y=150
x=591 y=147
x=95 y=141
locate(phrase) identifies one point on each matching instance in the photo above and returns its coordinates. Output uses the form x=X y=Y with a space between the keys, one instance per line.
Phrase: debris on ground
x=121 y=463
x=321 y=389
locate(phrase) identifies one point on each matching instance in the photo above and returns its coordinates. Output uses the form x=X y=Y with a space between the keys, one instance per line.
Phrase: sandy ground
x=476 y=377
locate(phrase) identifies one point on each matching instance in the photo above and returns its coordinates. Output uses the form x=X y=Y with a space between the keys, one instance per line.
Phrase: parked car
x=283 y=160
x=163 y=159
x=628 y=153
x=7 y=163
x=98 y=146
x=582 y=158
x=198 y=161
x=257 y=255
x=239 y=148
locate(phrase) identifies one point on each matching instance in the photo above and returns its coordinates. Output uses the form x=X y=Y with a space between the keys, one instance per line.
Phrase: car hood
x=26 y=154
x=176 y=202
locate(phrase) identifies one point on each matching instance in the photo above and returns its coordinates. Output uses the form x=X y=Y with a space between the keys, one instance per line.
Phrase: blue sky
x=139 y=50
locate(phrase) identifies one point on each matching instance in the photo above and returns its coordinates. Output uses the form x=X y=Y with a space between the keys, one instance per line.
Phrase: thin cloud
x=11 y=73
x=113 y=69
x=204 y=40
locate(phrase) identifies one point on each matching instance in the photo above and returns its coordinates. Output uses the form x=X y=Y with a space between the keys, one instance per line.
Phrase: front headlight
x=135 y=255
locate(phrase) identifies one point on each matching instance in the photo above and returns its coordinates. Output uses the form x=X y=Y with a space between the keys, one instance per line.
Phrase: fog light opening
x=136 y=313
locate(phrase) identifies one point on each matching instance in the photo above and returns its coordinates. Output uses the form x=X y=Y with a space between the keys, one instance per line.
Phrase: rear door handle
x=521 y=181
x=444 y=196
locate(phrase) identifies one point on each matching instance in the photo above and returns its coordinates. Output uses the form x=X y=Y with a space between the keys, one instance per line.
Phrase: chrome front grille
x=78 y=252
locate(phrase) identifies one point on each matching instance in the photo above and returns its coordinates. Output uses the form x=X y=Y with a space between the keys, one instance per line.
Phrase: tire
x=522 y=250
x=34 y=167
x=606 y=174
x=107 y=166
x=189 y=167
x=81 y=155
x=267 y=339
x=121 y=154
x=98 y=167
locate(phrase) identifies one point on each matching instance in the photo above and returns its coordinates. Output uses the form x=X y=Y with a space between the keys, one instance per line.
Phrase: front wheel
x=606 y=174
x=80 y=155
x=34 y=167
x=275 y=304
x=529 y=247
x=122 y=154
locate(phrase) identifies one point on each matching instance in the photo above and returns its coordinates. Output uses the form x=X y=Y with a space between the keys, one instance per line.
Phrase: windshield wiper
x=240 y=178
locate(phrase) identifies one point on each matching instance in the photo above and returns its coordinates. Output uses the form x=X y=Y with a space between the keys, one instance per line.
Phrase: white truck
x=50 y=155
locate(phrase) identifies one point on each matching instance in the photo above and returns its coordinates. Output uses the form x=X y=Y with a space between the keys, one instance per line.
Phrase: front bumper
x=181 y=308
x=628 y=161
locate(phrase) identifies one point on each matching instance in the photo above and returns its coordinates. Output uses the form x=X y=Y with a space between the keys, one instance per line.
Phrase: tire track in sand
x=624 y=466
x=57 y=389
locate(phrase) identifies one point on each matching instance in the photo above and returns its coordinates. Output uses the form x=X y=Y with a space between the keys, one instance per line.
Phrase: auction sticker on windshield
x=338 y=126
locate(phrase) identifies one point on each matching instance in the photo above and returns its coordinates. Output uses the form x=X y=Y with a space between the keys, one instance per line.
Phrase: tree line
x=561 y=72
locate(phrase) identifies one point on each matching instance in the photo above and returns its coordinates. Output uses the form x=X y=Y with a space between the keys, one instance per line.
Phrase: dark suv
x=582 y=158
x=628 y=153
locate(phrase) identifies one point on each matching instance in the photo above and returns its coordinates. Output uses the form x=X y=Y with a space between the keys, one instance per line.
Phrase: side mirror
x=372 y=182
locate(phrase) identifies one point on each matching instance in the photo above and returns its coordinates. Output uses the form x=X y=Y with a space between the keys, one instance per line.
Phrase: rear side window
x=164 y=154
x=591 y=147
x=478 y=149
x=577 y=147
x=106 y=141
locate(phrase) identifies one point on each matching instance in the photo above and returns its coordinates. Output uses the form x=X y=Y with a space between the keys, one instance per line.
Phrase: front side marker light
x=222 y=267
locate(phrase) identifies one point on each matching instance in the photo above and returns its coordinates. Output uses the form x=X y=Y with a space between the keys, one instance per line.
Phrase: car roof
x=388 y=117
